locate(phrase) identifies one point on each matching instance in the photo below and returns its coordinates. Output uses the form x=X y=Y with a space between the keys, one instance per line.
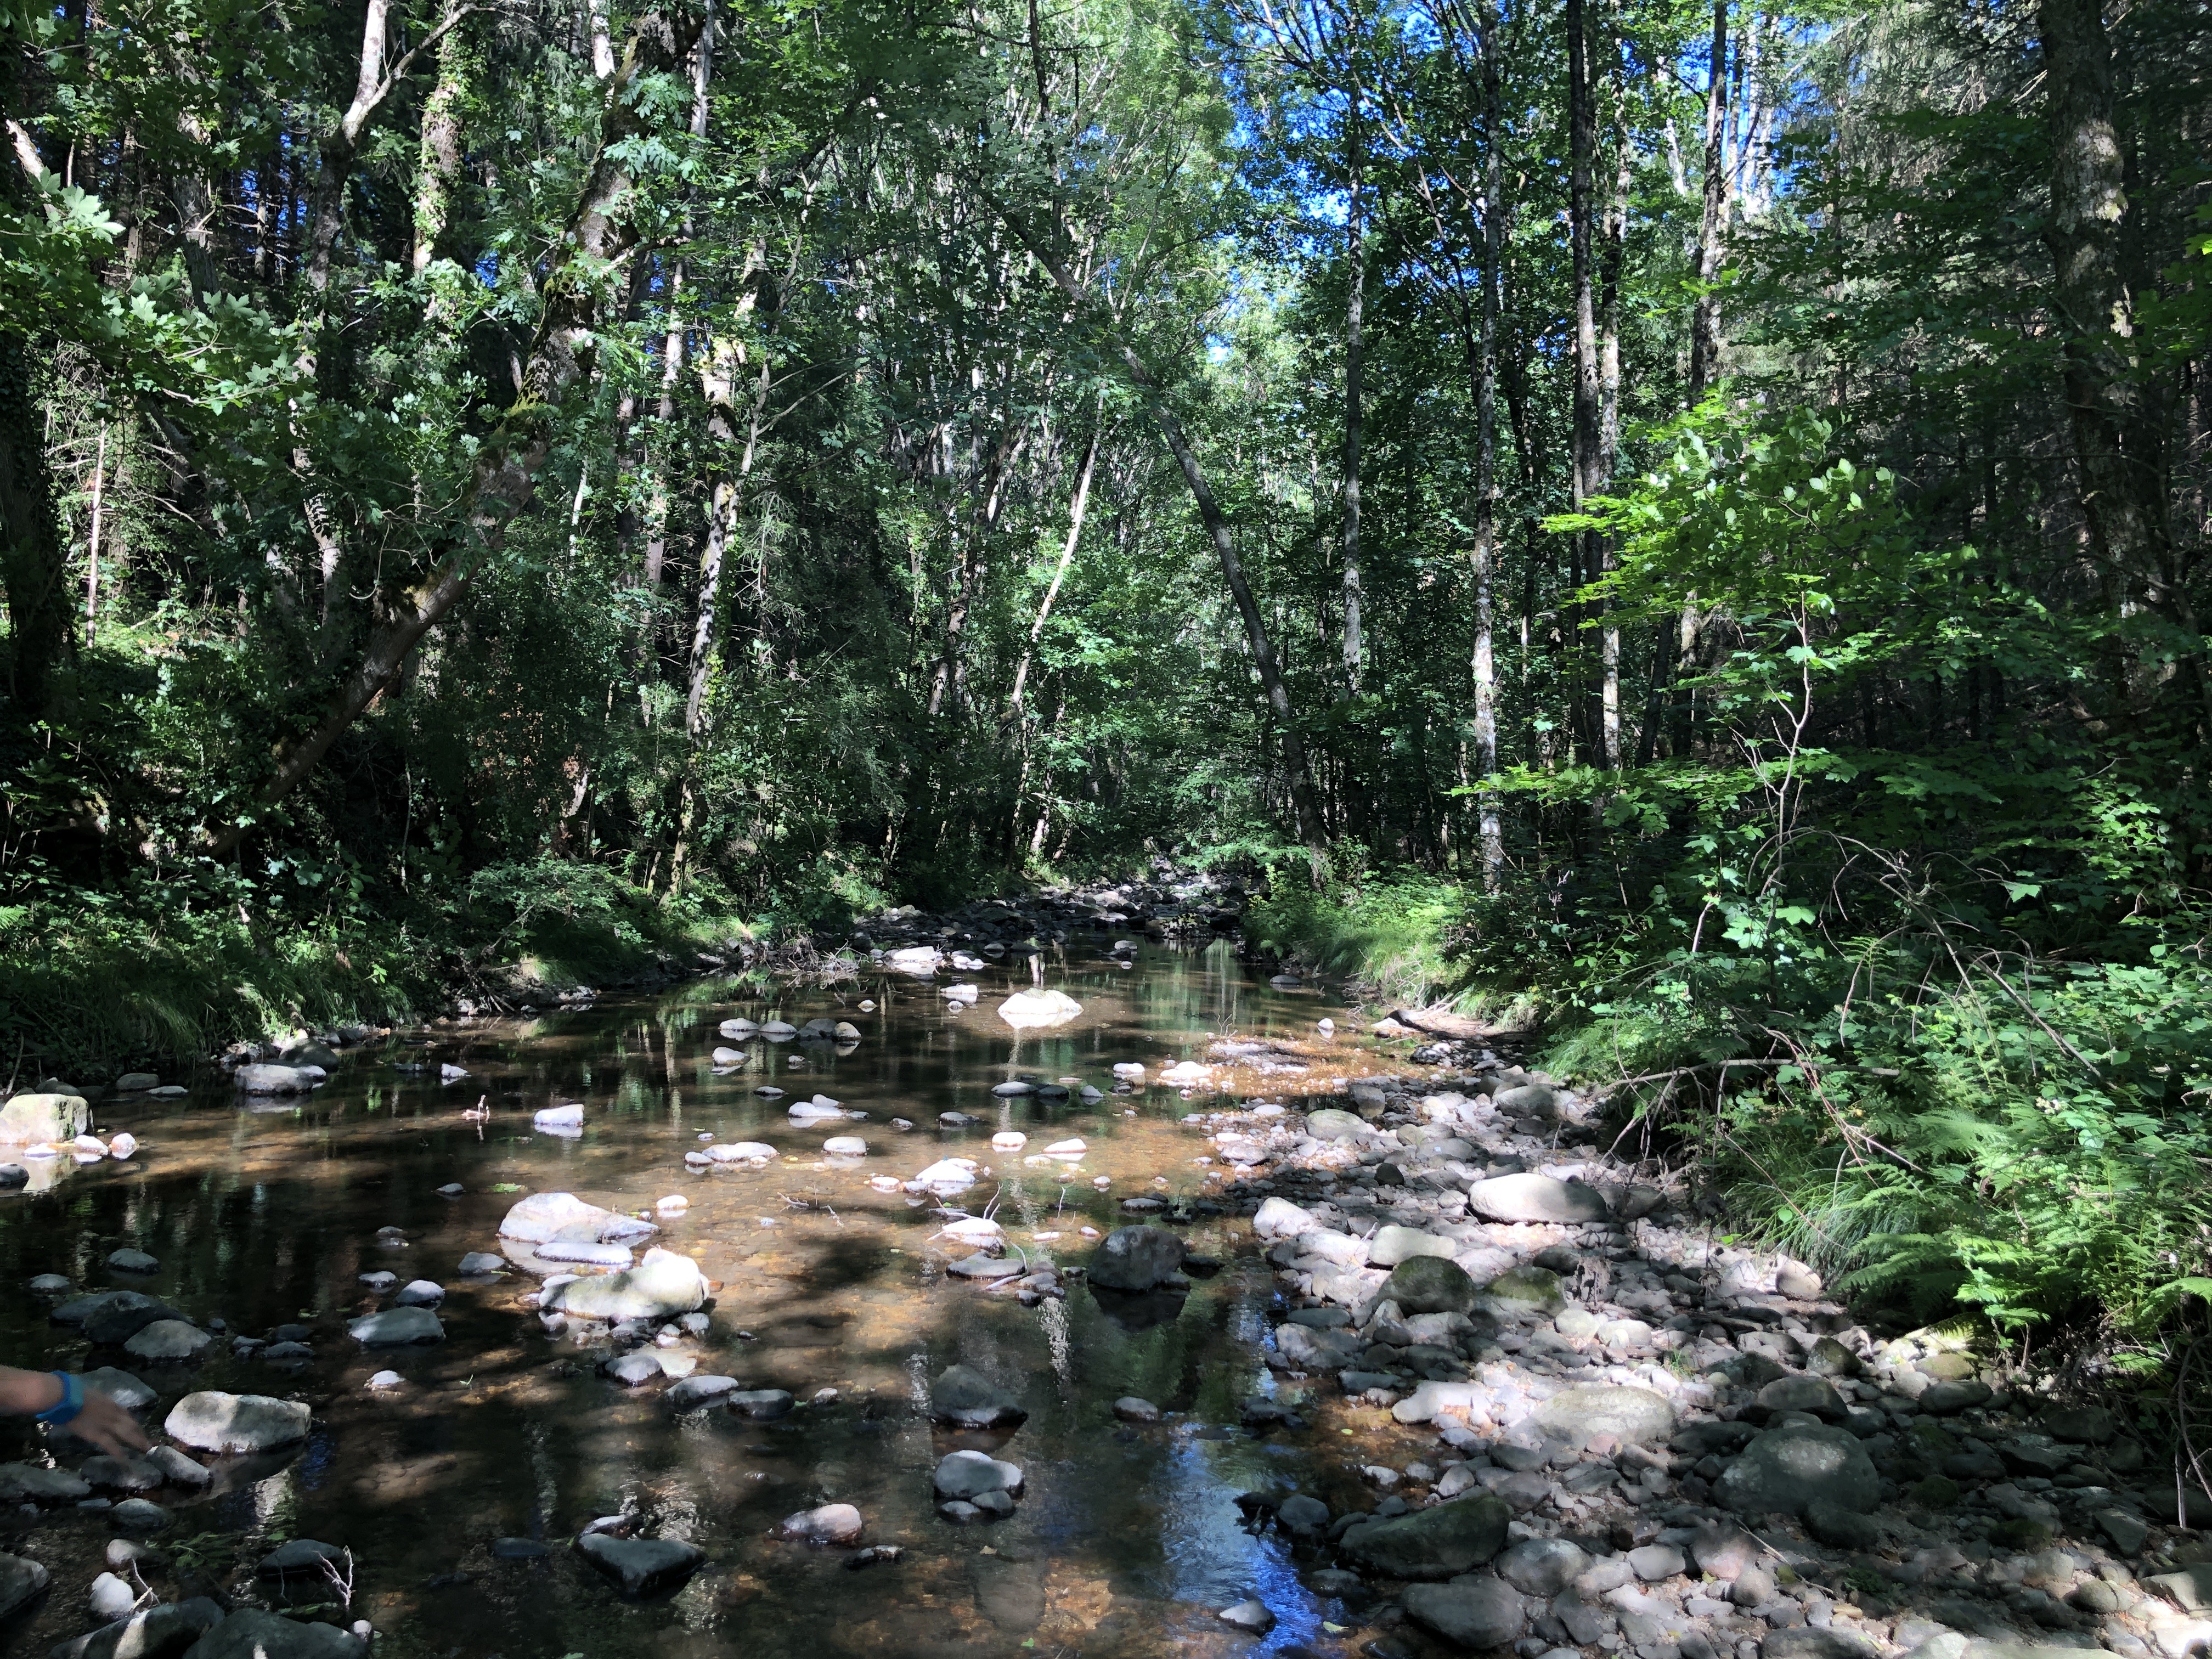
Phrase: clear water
x=1125 y=1538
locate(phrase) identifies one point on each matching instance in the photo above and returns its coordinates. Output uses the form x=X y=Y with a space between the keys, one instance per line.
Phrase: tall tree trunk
x=504 y=479
x=1304 y=807
x=1492 y=835
x=1712 y=223
x=1585 y=478
x=31 y=540
x=2119 y=444
x=1355 y=255
x=1075 y=514
x=1612 y=257
x=438 y=164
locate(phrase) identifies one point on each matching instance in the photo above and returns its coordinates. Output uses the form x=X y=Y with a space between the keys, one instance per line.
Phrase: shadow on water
x=1125 y=1538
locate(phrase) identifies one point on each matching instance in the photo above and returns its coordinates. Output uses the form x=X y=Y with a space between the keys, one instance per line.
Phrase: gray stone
x=2128 y=1532
x=1801 y=1394
x=27 y=1483
x=1442 y=1541
x=20 y=1581
x=1392 y=1245
x=832 y=1523
x=13 y=1178
x=1479 y=1613
x=124 y=1389
x=543 y=1216
x=178 y=1469
x=634 y=1370
x=1811 y=1642
x=236 y=1422
x=763 y=1404
x=661 y=1286
x=120 y=1474
x=965 y=1398
x=2091 y=1425
x=967 y=1474
x=1130 y=1409
x=136 y=1515
x=396 y=1327
x=1944 y=1399
x=1635 y=1416
x=421 y=1293
x=1278 y=1218
x=1305 y=1516
x=694 y=1392
x=1785 y=1468
x=274 y=1080
x=28 y=1119
x=1542 y=1566
x=1537 y=1288
x=1249 y=1615
x=1844 y=1529
x=127 y=1260
x=2189 y=1589
x=169 y=1339
x=250 y=1633
x=1429 y=1284
x=1136 y=1259
x=302 y=1556
x=120 y=1316
x=157 y=1632
x=482 y=1261
x=1656 y=1561
x=1330 y=1124
x=1535 y=1198
x=640 y=1565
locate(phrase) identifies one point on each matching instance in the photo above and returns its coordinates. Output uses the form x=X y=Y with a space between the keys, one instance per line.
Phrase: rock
x=634 y=1370
x=2128 y=1532
x=14 y=1177
x=236 y=1423
x=134 y=1082
x=1431 y=1400
x=1039 y=1007
x=48 y=1285
x=1846 y=1529
x=379 y=1281
x=421 y=1293
x=1330 y=1124
x=1635 y=1417
x=250 y=1634
x=120 y=1474
x=1786 y=1468
x=965 y=1398
x=1945 y=1399
x=845 y=1147
x=519 y=1549
x=1130 y=1409
x=1724 y=1552
x=1542 y=1566
x=127 y=1261
x=558 y=1121
x=1392 y=1245
x=157 y=1632
x=27 y=1483
x=662 y=1284
x=124 y=1389
x=122 y=1314
x=302 y=1556
x=694 y=1392
x=1249 y=1615
x=1812 y=1394
x=2091 y=1425
x=396 y=1327
x=543 y=1216
x=832 y=1523
x=986 y=1268
x=482 y=1262
x=1798 y=1284
x=273 y=1080
x=136 y=1515
x=1535 y=1198
x=640 y=1565
x=169 y=1339
x=1306 y=1517
x=1534 y=1287
x=1654 y=1562
x=948 y=1175
x=1429 y=1284
x=1481 y=1613
x=1812 y=1643
x=178 y=1469
x=2190 y=1589
x=1278 y=1218
x=20 y=1582
x=967 y=1475
x=1136 y=1259
x=1438 y=1542
x=762 y=1404
x=27 y=1120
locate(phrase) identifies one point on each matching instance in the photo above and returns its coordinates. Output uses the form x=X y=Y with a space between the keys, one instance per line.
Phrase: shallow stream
x=1127 y=1539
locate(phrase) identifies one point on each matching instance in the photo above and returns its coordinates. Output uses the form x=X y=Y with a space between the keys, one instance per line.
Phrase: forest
x=1681 y=527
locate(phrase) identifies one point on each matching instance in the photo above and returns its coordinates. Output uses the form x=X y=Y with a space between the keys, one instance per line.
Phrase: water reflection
x=1125 y=1538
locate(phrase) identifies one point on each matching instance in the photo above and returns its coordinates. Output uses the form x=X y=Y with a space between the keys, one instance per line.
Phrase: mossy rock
x=1933 y=1439
x=2023 y=1535
x=1948 y=1367
x=1429 y=1284
x=1938 y=1492
x=1533 y=1287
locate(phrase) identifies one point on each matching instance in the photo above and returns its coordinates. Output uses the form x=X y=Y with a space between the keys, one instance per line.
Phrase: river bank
x=1398 y=1357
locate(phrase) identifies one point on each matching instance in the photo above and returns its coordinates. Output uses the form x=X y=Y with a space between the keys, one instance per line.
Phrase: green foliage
x=1387 y=935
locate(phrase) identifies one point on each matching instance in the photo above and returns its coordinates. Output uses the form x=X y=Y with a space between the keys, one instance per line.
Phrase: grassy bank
x=159 y=980
x=2017 y=1139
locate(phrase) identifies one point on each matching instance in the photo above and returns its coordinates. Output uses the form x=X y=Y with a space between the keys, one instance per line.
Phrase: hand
x=108 y=1426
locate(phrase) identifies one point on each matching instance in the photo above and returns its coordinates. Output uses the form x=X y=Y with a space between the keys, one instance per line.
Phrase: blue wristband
x=71 y=1402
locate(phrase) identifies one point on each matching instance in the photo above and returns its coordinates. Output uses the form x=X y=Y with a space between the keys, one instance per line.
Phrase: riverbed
x=1127 y=1537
